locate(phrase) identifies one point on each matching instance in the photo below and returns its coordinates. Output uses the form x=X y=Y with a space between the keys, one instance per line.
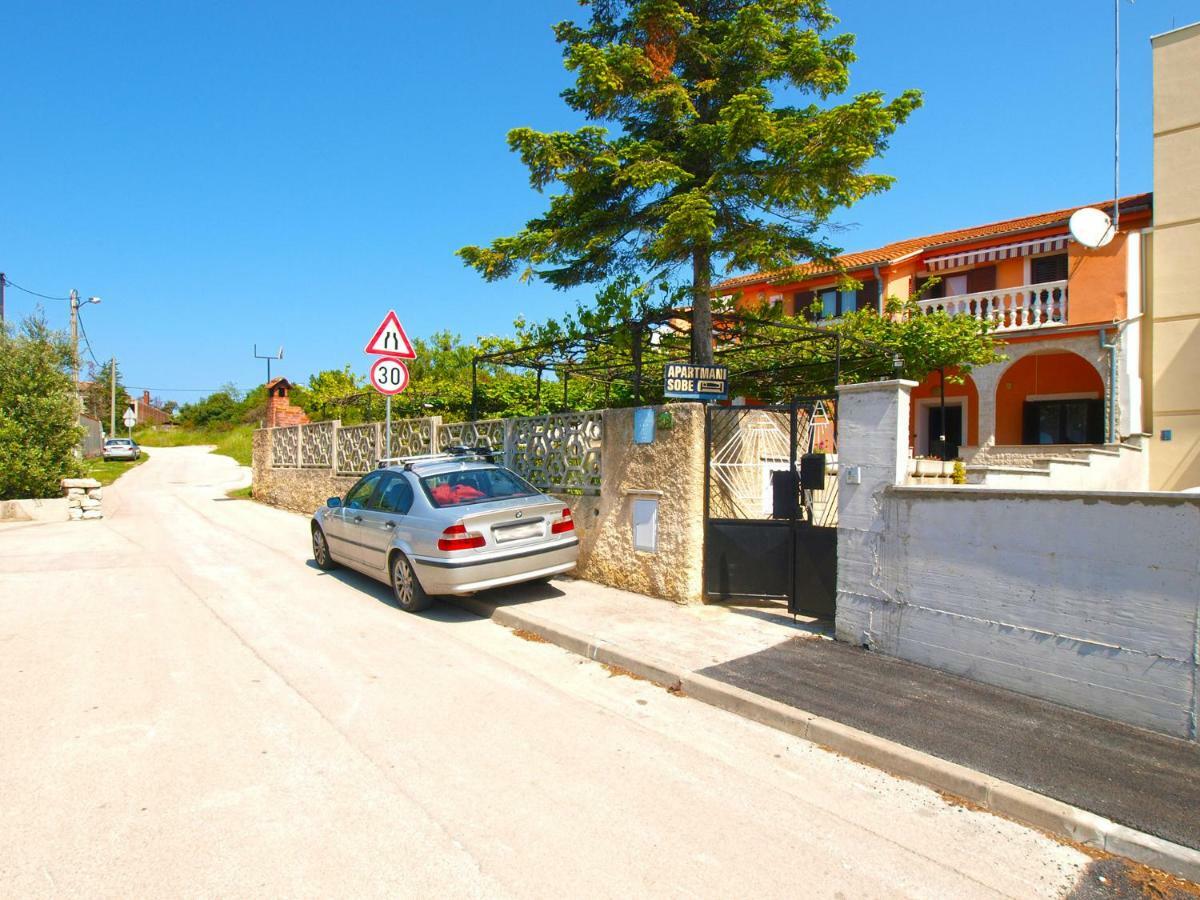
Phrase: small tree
x=705 y=170
x=97 y=396
x=39 y=415
x=328 y=391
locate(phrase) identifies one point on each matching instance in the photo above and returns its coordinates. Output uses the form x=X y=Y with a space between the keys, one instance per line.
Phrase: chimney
x=145 y=398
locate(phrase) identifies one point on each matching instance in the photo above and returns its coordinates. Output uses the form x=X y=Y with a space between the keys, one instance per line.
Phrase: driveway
x=189 y=707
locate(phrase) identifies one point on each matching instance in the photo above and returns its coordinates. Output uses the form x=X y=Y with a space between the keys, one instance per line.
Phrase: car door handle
x=357 y=519
x=389 y=524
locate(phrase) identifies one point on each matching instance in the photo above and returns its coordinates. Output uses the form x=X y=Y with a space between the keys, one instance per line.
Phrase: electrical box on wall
x=853 y=475
x=644 y=516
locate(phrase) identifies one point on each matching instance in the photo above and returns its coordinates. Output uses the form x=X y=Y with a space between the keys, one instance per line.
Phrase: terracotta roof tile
x=900 y=249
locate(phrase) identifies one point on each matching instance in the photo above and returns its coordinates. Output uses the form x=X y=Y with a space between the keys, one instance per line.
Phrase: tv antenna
x=1089 y=226
x=278 y=355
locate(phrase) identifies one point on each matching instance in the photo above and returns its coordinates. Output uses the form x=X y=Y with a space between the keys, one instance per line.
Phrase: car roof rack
x=482 y=453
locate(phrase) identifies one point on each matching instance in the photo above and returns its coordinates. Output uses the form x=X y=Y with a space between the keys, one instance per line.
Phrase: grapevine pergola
x=766 y=356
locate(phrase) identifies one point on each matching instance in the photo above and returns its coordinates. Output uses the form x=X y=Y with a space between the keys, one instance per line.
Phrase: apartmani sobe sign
x=687 y=382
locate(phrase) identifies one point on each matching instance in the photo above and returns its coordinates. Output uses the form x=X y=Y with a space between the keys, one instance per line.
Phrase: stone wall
x=302 y=490
x=669 y=470
x=1090 y=599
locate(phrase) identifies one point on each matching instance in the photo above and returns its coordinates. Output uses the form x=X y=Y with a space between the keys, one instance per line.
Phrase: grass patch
x=108 y=472
x=242 y=493
x=234 y=441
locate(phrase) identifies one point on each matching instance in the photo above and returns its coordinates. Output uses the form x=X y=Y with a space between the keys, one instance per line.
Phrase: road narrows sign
x=390 y=340
x=389 y=376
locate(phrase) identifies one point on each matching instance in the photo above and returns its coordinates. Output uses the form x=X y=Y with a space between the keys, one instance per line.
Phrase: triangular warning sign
x=390 y=339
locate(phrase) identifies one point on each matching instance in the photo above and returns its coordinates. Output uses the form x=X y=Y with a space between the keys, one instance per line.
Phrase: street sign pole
x=388 y=373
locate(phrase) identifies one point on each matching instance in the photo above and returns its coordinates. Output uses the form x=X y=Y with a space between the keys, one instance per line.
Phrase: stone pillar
x=670 y=471
x=83 y=498
x=872 y=456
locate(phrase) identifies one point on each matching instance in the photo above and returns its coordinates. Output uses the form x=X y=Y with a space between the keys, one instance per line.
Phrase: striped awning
x=991 y=254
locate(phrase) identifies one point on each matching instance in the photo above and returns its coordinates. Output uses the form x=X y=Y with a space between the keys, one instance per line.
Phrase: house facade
x=147 y=413
x=1173 y=315
x=1069 y=317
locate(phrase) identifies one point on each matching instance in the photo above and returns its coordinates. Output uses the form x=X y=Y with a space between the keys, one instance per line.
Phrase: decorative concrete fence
x=1086 y=598
x=557 y=453
x=589 y=460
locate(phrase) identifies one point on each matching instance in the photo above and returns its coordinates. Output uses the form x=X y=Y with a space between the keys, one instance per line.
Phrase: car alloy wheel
x=410 y=595
x=403 y=582
x=321 y=550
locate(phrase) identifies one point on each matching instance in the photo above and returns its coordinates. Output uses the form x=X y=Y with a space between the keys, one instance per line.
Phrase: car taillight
x=566 y=523
x=456 y=537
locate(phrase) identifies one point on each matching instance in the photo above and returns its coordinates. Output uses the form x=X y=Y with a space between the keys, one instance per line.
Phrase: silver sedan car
x=445 y=524
x=121 y=448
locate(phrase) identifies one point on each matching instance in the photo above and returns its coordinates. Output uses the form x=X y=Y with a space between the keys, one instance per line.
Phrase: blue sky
x=229 y=173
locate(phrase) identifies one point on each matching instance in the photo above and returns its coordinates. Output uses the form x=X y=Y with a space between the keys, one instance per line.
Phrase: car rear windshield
x=121 y=442
x=474 y=486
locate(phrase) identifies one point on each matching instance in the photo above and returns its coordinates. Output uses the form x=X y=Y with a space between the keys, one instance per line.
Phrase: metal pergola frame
x=568 y=356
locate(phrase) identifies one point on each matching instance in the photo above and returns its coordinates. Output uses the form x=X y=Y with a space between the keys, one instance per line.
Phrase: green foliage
x=97 y=396
x=39 y=415
x=924 y=342
x=227 y=406
x=108 y=471
x=704 y=167
x=326 y=390
x=229 y=439
x=216 y=407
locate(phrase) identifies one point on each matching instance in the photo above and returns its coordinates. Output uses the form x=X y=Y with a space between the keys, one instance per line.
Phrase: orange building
x=1069 y=317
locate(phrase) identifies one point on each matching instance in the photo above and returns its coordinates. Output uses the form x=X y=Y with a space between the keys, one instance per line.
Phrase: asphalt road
x=188 y=707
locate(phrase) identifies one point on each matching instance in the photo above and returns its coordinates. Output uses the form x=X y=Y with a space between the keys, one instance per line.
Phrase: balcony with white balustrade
x=1029 y=307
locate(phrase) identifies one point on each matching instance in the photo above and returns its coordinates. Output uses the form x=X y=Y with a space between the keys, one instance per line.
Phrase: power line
x=11 y=283
x=176 y=390
x=86 y=342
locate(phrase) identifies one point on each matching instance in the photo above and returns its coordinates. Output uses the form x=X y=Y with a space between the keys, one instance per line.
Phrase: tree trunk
x=702 y=330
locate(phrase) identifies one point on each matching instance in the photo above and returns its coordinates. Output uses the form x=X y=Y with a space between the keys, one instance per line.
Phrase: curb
x=1000 y=797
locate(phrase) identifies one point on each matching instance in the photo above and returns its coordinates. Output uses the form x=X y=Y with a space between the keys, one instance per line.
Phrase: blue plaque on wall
x=643 y=425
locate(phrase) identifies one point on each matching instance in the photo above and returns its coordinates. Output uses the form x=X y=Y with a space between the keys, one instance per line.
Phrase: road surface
x=189 y=707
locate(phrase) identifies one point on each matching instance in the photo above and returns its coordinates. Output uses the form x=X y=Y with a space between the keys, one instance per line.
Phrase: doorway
x=953 y=431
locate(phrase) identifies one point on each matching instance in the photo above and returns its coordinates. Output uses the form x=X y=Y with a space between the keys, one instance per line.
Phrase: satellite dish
x=1091 y=227
x=281 y=345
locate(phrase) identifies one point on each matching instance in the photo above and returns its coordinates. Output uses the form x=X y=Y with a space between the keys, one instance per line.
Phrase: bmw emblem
x=518 y=514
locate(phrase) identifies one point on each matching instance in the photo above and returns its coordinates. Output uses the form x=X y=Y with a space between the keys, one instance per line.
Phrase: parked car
x=451 y=523
x=121 y=448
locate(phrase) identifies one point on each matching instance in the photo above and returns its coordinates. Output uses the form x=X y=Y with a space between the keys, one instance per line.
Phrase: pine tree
x=705 y=168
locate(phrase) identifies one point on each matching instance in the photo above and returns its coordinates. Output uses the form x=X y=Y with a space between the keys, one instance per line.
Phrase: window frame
x=374 y=478
x=427 y=488
x=374 y=504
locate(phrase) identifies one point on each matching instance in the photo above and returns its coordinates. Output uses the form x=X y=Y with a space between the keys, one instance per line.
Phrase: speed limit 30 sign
x=389 y=376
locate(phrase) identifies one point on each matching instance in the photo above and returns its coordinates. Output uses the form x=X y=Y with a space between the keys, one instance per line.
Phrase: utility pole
x=74 y=298
x=1 y=298
x=112 y=398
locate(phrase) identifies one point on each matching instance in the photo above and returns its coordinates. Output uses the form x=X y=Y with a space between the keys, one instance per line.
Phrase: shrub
x=39 y=413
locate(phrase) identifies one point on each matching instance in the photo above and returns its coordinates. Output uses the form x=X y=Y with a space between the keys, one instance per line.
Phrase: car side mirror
x=333 y=502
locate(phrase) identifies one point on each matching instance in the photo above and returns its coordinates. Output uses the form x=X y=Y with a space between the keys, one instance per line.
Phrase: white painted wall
x=1087 y=598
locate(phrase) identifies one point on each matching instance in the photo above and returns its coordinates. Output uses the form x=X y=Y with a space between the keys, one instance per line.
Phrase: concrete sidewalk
x=1120 y=789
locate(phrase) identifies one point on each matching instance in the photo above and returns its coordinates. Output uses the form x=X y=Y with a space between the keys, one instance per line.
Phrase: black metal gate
x=770 y=504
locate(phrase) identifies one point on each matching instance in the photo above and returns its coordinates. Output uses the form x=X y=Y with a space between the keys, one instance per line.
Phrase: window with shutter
x=1048 y=268
x=981 y=279
x=802 y=304
x=868 y=297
